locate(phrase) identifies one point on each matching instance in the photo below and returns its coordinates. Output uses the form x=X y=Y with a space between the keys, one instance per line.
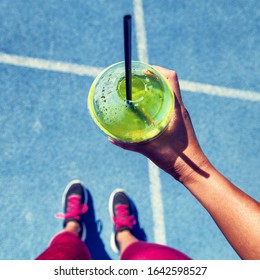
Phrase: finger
x=172 y=78
x=164 y=71
x=125 y=146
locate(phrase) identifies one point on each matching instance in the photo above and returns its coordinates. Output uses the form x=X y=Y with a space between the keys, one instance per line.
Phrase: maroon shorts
x=68 y=246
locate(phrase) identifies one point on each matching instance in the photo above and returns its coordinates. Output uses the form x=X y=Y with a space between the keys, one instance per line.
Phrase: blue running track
x=50 y=52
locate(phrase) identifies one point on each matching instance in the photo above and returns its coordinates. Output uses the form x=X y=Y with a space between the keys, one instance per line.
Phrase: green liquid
x=149 y=113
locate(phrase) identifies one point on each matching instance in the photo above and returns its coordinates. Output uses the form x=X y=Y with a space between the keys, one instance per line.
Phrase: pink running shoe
x=122 y=215
x=74 y=201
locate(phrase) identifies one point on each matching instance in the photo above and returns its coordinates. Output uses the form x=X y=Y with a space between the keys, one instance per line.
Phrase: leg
x=148 y=251
x=69 y=245
x=123 y=239
x=66 y=246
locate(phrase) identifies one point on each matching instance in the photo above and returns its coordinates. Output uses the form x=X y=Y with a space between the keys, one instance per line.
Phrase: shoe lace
x=74 y=208
x=122 y=218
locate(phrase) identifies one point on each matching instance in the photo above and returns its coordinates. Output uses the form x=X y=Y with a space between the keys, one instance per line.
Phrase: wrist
x=190 y=170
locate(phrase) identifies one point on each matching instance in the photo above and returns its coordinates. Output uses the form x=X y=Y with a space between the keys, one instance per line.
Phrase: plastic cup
x=140 y=119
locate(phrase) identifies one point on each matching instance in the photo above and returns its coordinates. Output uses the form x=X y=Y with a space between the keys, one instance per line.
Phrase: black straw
x=127 y=46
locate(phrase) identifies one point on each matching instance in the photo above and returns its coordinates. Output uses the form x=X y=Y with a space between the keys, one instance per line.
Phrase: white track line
x=220 y=91
x=43 y=64
x=154 y=174
x=157 y=203
x=83 y=70
x=140 y=31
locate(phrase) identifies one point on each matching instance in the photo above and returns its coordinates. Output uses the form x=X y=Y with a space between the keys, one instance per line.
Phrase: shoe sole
x=84 y=230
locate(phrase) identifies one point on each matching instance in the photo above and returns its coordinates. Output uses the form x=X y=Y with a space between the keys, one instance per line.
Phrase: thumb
x=172 y=78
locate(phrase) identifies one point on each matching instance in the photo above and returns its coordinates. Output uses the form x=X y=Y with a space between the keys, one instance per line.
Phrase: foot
x=74 y=201
x=122 y=215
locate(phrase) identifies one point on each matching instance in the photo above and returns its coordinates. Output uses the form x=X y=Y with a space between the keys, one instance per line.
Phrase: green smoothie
x=141 y=119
